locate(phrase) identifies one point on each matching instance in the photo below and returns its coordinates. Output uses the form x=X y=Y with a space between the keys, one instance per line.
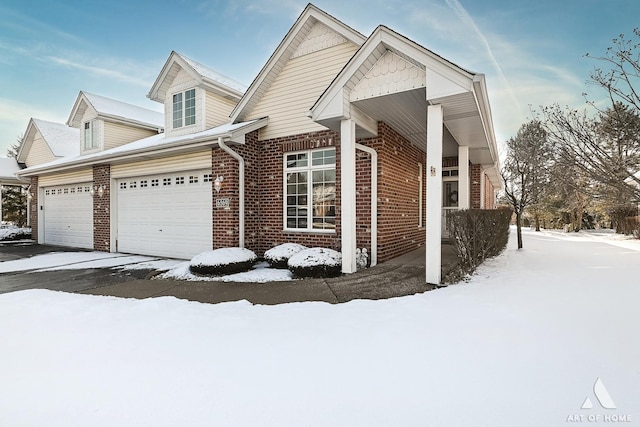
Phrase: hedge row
x=478 y=234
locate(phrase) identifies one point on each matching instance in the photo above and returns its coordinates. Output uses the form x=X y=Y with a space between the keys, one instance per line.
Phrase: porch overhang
x=393 y=79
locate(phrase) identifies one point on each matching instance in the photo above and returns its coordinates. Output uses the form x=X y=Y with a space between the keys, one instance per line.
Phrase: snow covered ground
x=522 y=343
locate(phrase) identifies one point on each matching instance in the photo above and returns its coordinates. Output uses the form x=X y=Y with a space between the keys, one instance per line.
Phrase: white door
x=167 y=215
x=68 y=215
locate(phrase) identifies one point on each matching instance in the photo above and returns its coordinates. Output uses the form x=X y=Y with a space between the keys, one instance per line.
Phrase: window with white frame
x=90 y=135
x=184 y=108
x=310 y=188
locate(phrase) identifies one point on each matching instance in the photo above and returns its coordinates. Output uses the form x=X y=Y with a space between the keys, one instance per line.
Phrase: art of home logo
x=604 y=400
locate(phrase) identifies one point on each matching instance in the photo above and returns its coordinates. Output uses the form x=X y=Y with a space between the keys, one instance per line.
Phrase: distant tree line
x=581 y=169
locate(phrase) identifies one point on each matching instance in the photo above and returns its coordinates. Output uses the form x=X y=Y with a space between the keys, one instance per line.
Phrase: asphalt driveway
x=387 y=280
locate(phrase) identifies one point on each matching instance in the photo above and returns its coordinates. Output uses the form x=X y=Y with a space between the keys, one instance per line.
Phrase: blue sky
x=532 y=52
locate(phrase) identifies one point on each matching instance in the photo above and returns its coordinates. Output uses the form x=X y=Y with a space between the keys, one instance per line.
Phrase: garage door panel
x=165 y=215
x=68 y=215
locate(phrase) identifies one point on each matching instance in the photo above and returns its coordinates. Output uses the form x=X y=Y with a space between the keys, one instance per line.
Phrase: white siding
x=182 y=82
x=297 y=88
x=178 y=163
x=218 y=110
x=82 y=175
x=116 y=134
x=39 y=152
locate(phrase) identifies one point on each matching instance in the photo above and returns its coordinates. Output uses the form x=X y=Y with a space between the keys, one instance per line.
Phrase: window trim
x=93 y=133
x=183 y=109
x=309 y=168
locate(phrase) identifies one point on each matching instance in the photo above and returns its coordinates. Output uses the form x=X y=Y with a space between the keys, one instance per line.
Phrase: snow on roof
x=211 y=74
x=8 y=167
x=63 y=140
x=151 y=143
x=115 y=108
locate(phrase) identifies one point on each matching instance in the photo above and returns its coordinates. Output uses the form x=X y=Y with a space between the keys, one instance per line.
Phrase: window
x=143 y=183
x=154 y=182
x=90 y=135
x=166 y=181
x=193 y=179
x=123 y=185
x=207 y=177
x=310 y=188
x=180 y=180
x=184 y=108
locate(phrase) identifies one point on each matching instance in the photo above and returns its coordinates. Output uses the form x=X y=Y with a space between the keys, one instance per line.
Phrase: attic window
x=184 y=108
x=90 y=135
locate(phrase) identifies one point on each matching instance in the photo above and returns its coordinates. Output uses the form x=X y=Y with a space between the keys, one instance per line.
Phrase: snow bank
x=14 y=233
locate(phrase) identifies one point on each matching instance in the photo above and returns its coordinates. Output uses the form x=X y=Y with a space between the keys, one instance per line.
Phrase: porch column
x=348 y=194
x=1 y=203
x=434 y=194
x=464 y=189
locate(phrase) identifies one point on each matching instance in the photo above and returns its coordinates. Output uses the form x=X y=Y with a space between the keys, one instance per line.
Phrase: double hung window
x=310 y=188
x=184 y=108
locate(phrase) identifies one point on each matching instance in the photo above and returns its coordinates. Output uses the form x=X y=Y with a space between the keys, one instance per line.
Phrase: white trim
x=433 y=226
x=348 y=195
x=374 y=201
x=464 y=198
x=308 y=168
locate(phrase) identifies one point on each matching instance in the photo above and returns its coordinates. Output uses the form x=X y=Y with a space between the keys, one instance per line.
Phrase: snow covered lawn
x=521 y=344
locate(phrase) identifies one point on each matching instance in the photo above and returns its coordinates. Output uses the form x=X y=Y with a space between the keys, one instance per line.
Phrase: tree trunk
x=537 y=218
x=519 y=229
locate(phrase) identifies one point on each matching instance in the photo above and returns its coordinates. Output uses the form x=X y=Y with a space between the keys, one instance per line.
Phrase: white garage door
x=68 y=215
x=165 y=215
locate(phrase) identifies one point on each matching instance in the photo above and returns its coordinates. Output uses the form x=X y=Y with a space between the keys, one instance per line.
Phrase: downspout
x=374 y=201
x=240 y=160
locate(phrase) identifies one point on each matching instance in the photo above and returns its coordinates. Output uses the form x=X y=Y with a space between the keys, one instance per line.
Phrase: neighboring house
x=9 y=167
x=341 y=141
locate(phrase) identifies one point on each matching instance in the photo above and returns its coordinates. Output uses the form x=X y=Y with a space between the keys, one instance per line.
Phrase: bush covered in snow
x=222 y=261
x=278 y=256
x=14 y=233
x=316 y=262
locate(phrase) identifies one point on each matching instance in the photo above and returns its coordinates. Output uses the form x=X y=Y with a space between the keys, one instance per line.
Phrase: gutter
x=374 y=201
x=240 y=160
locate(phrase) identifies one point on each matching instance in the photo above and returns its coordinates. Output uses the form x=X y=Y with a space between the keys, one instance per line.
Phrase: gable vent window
x=184 y=108
x=90 y=135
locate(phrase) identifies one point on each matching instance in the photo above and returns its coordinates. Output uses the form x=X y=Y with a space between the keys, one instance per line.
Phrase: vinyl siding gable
x=39 y=152
x=297 y=87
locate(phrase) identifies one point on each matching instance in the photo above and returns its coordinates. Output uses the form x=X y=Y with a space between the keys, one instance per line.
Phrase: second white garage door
x=165 y=215
x=68 y=215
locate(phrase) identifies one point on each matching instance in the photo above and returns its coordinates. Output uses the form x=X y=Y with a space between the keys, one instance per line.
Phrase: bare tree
x=525 y=169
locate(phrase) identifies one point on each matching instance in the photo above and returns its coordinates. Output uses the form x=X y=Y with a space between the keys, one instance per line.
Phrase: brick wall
x=34 y=208
x=101 y=209
x=489 y=194
x=398 y=193
x=474 y=186
x=226 y=221
x=270 y=190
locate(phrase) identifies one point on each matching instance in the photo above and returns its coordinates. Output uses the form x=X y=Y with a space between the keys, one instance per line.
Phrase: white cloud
x=125 y=76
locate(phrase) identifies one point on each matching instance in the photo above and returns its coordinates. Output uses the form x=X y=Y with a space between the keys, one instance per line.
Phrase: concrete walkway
x=399 y=277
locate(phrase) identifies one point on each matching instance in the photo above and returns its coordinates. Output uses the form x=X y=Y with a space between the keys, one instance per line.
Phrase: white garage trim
x=166 y=214
x=67 y=217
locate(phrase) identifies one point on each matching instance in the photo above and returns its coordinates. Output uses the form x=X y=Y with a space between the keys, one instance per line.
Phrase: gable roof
x=62 y=140
x=8 y=168
x=287 y=47
x=107 y=108
x=203 y=75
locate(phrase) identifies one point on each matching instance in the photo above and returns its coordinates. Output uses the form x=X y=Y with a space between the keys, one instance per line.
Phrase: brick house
x=341 y=141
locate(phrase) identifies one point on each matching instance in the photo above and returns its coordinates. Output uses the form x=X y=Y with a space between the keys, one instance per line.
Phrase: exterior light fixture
x=98 y=190
x=217 y=184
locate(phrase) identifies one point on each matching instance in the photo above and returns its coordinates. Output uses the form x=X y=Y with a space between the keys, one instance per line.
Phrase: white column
x=434 y=194
x=482 y=190
x=348 y=194
x=464 y=190
x=0 y=204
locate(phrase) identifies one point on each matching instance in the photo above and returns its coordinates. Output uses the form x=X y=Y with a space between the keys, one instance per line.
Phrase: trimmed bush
x=478 y=234
x=15 y=233
x=316 y=262
x=278 y=256
x=222 y=261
